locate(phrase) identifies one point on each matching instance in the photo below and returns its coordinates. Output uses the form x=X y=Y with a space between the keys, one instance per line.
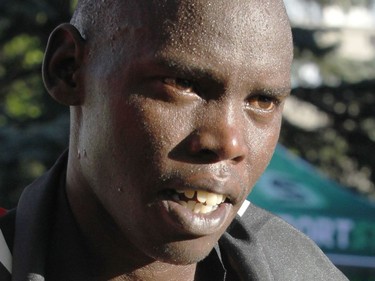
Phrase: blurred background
x=329 y=121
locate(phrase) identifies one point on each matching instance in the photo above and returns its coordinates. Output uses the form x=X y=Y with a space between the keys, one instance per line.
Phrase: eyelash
x=263 y=98
x=180 y=84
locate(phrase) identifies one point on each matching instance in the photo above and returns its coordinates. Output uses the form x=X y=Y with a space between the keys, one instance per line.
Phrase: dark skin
x=193 y=106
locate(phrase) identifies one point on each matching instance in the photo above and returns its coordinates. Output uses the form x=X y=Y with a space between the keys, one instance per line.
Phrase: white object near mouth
x=243 y=208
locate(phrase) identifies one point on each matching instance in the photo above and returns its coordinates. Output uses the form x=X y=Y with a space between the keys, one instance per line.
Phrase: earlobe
x=62 y=65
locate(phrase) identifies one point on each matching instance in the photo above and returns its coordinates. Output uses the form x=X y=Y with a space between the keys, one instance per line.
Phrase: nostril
x=207 y=154
x=216 y=145
x=211 y=155
x=238 y=158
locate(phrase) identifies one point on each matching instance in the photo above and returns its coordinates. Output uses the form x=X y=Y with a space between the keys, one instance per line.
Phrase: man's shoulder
x=282 y=251
x=22 y=229
x=277 y=236
x=261 y=221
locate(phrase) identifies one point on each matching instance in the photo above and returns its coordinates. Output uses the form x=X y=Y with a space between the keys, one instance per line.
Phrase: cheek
x=159 y=127
x=262 y=141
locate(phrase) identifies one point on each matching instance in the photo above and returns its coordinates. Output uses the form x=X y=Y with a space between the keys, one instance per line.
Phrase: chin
x=184 y=252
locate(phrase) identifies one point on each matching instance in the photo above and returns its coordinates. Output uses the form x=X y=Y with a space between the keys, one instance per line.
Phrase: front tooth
x=202 y=196
x=191 y=205
x=219 y=199
x=189 y=193
x=211 y=199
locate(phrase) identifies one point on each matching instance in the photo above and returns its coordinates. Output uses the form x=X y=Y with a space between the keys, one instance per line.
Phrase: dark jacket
x=257 y=246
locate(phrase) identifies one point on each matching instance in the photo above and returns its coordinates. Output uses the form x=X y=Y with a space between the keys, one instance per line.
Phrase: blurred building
x=348 y=27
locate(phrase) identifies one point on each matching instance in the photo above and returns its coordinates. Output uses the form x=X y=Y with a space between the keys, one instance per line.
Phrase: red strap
x=2 y=212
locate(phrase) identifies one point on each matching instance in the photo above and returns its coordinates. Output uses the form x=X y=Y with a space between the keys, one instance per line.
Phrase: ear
x=62 y=65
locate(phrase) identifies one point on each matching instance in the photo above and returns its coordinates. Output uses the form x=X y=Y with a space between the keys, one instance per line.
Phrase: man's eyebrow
x=186 y=69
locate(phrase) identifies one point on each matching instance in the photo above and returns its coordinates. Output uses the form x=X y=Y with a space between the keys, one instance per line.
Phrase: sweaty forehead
x=237 y=31
x=236 y=21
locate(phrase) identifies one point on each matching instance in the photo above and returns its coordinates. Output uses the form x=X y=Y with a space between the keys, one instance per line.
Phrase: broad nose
x=219 y=136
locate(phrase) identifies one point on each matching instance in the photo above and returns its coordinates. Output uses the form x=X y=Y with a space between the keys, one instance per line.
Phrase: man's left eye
x=180 y=84
x=263 y=103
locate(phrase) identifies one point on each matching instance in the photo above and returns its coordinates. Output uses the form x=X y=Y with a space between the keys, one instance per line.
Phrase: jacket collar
x=35 y=213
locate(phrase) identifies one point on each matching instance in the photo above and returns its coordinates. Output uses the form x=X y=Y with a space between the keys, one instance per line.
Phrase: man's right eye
x=180 y=84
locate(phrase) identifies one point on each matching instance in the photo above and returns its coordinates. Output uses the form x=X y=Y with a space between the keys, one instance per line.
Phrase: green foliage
x=25 y=48
x=23 y=101
x=33 y=128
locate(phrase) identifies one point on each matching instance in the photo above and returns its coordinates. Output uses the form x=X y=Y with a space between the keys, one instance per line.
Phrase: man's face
x=178 y=124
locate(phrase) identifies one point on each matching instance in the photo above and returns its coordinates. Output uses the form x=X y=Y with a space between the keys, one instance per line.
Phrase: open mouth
x=197 y=201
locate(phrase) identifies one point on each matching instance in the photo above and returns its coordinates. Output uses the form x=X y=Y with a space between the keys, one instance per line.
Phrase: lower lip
x=190 y=223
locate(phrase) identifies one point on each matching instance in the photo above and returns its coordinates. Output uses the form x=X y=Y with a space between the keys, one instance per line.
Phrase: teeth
x=202 y=196
x=198 y=208
x=191 y=205
x=212 y=199
x=220 y=198
x=206 y=209
x=207 y=201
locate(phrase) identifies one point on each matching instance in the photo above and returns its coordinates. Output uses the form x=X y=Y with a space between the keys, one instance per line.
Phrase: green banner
x=341 y=223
